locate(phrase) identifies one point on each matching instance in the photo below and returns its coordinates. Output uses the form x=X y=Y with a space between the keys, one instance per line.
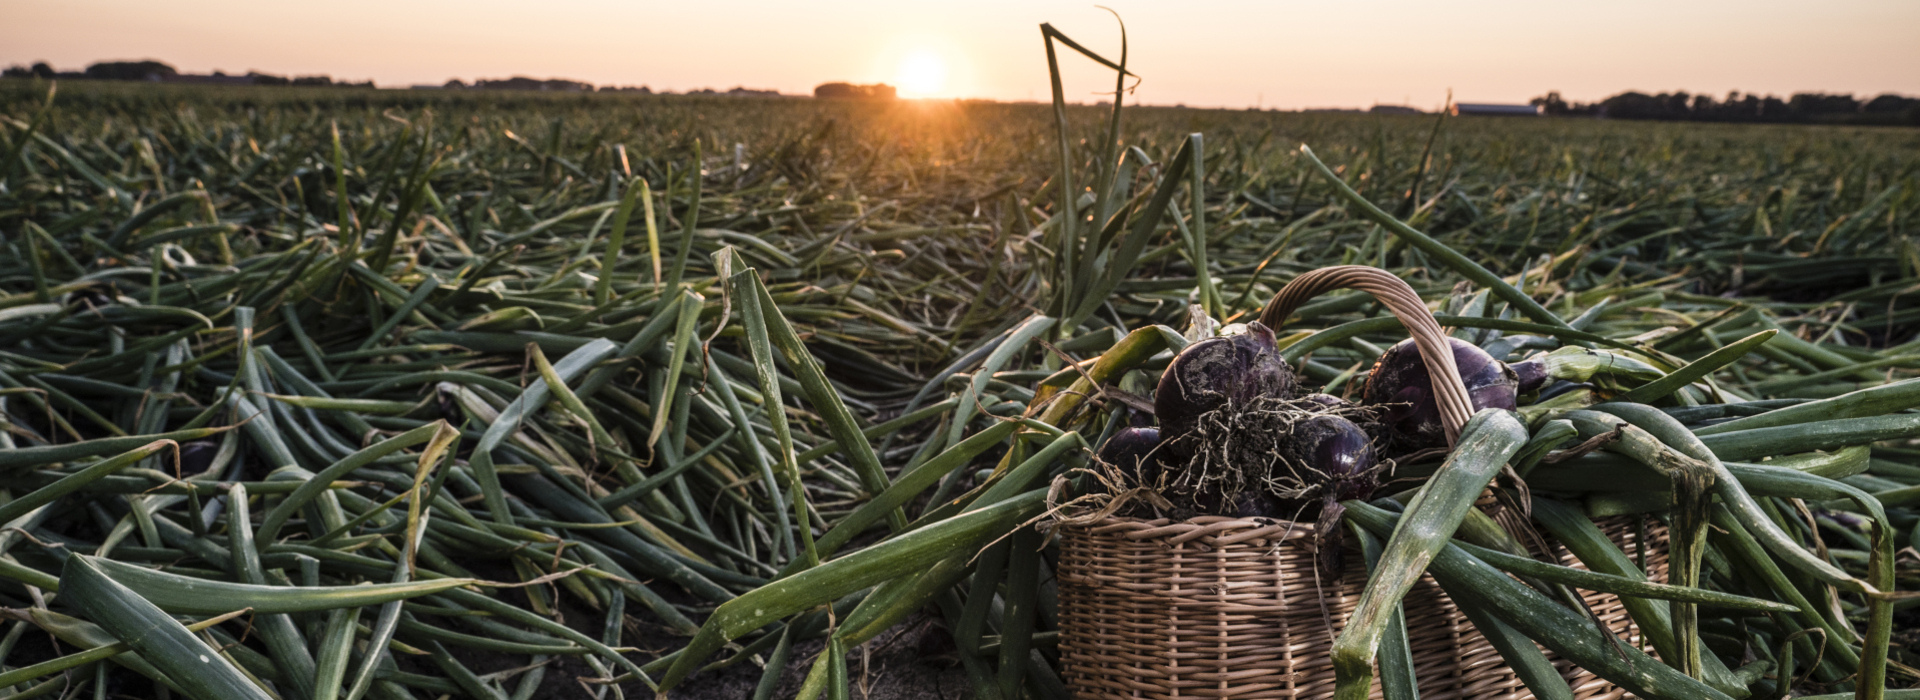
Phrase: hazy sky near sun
x=1287 y=54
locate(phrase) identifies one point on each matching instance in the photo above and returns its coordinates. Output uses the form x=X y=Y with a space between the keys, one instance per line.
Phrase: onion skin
x=1399 y=377
x=1220 y=372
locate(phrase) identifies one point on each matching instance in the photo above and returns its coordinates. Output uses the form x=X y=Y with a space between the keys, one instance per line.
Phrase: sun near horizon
x=922 y=73
x=1285 y=55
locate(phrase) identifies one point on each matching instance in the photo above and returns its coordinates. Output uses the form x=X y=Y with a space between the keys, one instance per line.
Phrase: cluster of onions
x=1235 y=438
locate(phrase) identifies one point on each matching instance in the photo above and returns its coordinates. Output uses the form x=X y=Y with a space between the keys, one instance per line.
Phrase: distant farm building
x=1493 y=110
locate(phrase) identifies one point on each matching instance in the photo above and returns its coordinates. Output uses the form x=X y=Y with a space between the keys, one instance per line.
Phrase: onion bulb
x=1224 y=372
x=1400 y=377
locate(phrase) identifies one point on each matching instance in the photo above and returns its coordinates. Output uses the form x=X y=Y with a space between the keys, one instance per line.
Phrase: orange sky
x=1232 y=54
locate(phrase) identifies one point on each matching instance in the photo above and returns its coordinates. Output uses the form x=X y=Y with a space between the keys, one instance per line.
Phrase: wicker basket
x=1230 y=608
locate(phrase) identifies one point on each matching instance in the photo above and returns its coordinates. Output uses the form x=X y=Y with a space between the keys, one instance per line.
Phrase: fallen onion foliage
x=541 y=376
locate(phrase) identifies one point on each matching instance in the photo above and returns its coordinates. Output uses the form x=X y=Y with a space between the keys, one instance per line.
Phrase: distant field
x=509 y=306
x=1752 y=208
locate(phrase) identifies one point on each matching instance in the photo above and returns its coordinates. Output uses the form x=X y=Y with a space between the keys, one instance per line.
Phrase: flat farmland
x=646 y=382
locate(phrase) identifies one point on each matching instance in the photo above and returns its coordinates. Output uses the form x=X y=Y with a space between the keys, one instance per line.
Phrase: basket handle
x=1450 y=393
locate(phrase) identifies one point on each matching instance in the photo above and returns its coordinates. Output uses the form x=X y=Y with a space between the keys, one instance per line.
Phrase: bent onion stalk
x=1490 y=439
x=199 y=669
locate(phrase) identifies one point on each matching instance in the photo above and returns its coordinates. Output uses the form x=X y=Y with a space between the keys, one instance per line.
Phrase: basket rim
x=1450 y=393
x=1215 y=529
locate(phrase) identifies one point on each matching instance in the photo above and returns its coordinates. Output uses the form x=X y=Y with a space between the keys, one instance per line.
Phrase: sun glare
x=922 y=74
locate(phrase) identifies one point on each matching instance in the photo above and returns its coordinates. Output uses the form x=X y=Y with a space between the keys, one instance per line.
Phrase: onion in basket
x=1225 y=372
x=1135 y=452
x=1400 y=377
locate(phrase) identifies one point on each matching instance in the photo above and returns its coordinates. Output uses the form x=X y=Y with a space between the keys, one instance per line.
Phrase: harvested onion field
x=525 y=396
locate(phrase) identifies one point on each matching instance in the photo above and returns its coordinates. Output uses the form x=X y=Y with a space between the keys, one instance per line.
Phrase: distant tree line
x=158 y=72
x=849 y=91
x=736 y=92
x=522 y=83
x=1801 y=108
x=564 y=85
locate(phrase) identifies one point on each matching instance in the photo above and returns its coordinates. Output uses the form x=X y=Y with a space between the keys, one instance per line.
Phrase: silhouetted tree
x=129 y=70
x=1814 y=105
x=1889 y=103
x=1551 y=104
x=849 y=91
x=525 y=83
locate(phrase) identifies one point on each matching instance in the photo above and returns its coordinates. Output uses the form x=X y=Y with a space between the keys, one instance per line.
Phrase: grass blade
x=1696 y=370
x=189 y=662
x=616 y=240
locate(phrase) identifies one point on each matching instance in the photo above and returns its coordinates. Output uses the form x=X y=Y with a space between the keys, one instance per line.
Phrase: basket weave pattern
x=1229 y=608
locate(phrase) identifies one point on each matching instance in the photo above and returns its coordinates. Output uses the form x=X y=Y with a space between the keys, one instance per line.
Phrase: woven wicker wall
x=1229 y=608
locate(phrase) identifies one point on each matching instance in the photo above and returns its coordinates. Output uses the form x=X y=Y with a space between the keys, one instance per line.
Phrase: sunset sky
x=1221 y=53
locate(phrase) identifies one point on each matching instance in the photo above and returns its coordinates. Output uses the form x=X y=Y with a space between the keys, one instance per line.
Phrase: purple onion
x=1400 y=377
x=1221 y=372
x=1531 y=373
x=1339 y=457
x=1328 y=459
x=1135 y=451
